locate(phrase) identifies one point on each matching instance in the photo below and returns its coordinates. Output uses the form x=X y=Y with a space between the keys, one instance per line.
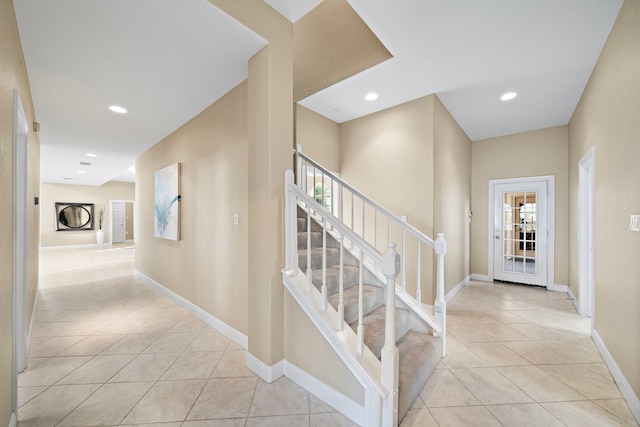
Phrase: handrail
x=398 y=220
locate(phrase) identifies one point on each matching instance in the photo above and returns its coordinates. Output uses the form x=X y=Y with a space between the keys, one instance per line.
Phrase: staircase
x=362 y=292
x=420 y=352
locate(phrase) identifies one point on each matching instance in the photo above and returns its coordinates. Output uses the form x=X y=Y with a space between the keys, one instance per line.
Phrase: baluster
x=309 y=271
x=324 y=264
x=341 y=207
x=299 y=164
x=375 y=228
x=404 y=257
x=360 y=330
x=363 y=219
x=341 y=287
x=352 y=213
x=418 y=288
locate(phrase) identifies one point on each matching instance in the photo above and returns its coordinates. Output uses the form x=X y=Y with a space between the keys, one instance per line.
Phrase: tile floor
x=108 y=350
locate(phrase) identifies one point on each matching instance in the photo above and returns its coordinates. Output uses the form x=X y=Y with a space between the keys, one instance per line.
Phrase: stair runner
x=419 y=352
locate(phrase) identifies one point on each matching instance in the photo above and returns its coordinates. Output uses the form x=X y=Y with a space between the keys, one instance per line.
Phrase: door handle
x=497 y=237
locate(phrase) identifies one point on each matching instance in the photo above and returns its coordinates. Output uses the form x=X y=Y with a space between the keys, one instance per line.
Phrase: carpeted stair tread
x=333 y=258
x=419 y=356
x=349 y=274
x=372 y=298
x=373 y=324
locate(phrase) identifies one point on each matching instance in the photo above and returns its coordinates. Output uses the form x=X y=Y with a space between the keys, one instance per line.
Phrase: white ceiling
x=166 y=61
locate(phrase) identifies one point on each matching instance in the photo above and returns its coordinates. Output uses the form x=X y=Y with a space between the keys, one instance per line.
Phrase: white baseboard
x=338 y=401
x=574 y=300
x=453 y=292
x=625 y=388
x=268 y=373
x=228 y=331
x=90 y=245
x=481 y=277
x=558 y=288
x=13 y=422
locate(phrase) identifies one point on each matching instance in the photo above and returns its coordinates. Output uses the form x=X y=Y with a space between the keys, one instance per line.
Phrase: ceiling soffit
x=331 y=43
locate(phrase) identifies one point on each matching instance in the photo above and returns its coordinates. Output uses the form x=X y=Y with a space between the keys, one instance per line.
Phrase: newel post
x=390 y=356
x=290 y=225
x=441 y=304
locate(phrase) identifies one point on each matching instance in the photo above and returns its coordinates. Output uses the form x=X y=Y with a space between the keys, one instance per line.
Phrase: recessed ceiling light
x=118 y=109
x=91 y=155
x=371 y=96
x=132 y=169
x=82 y=171
x=508 y=96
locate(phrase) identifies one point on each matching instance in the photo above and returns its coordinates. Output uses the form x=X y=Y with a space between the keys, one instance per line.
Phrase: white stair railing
x=352 y=206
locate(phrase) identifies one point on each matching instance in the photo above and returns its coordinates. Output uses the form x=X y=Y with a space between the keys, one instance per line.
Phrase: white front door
x=117 y=222
x=520 y=231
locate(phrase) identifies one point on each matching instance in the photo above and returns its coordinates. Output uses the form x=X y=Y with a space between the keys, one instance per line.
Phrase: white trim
x=233 y=334
x=268 y=373
x=338 y=401
x=453 y=292
x=89 y=245
x=481 y=277
x=558 y=288
x=33 y=319
x=13 y=422
x=625 y=388
x=574 y=300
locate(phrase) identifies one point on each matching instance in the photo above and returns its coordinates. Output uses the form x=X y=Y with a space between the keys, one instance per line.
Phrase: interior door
x=117 y=222
x=520 y=232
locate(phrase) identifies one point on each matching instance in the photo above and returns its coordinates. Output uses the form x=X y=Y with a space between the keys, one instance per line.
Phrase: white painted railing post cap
x=288 y=175
x=391 y=261
x=441 y=245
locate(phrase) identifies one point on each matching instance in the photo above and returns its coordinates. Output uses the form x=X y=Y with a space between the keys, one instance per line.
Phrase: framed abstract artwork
x=167 y=203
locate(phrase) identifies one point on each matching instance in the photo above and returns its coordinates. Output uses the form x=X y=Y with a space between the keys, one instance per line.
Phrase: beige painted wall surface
x=536 y=153
x=389 y=157
x=13 y=75
x=208 y=266
x=99 y=196
x=607 y=118
x=307 y=349
x=452 y=192
x=128 y=219
x=319 y=137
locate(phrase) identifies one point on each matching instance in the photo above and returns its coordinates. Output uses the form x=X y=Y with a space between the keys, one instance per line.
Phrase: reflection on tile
x=524 y=415
x=50 y=372
x=329 y=420
x=91 y=346
x=132 y=344
x=584 y=413
x=468 y=416
x=53 y=404
x=193 y=366
x=171 y=343
x=418 y=418
x=444 y=389
x=536 y=353
x=538 y=384
x=107 y=406
x=278 y=421
x=585 y=380
x=224 y=398
x=497 y=354
x=232 y=364
x=146 y=367
x=188 y=324
x=281 y=397
x=489 y=386
x=52 y=346
x=97 y=370
x=160 y=403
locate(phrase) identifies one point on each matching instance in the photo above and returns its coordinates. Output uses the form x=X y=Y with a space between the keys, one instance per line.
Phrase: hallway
x=109 y=350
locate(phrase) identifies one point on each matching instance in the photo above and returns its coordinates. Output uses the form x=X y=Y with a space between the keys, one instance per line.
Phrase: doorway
x=586 y=208
x=121 y=221
x=521 y=230
x=20 y=239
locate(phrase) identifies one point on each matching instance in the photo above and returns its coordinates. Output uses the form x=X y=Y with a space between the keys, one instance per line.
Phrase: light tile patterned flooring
x=108 y=350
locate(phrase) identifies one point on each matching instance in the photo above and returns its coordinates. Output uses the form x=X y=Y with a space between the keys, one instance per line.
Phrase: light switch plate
x=236 y=219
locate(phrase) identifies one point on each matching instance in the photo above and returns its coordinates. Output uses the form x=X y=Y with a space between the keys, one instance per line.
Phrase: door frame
x=550 y=180
x=586 y=233
x=20 y=240
x=124 y=202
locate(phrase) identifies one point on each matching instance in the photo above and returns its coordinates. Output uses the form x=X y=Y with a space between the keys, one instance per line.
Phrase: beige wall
x=66 y=193
x=13 y=75
x=319 y=138
x=389 y=157
x=536 y=153
x=452 y=192
x=607 y=118
x=208 y=266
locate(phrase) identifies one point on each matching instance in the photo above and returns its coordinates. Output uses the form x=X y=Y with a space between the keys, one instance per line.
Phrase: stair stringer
x=365 y=367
